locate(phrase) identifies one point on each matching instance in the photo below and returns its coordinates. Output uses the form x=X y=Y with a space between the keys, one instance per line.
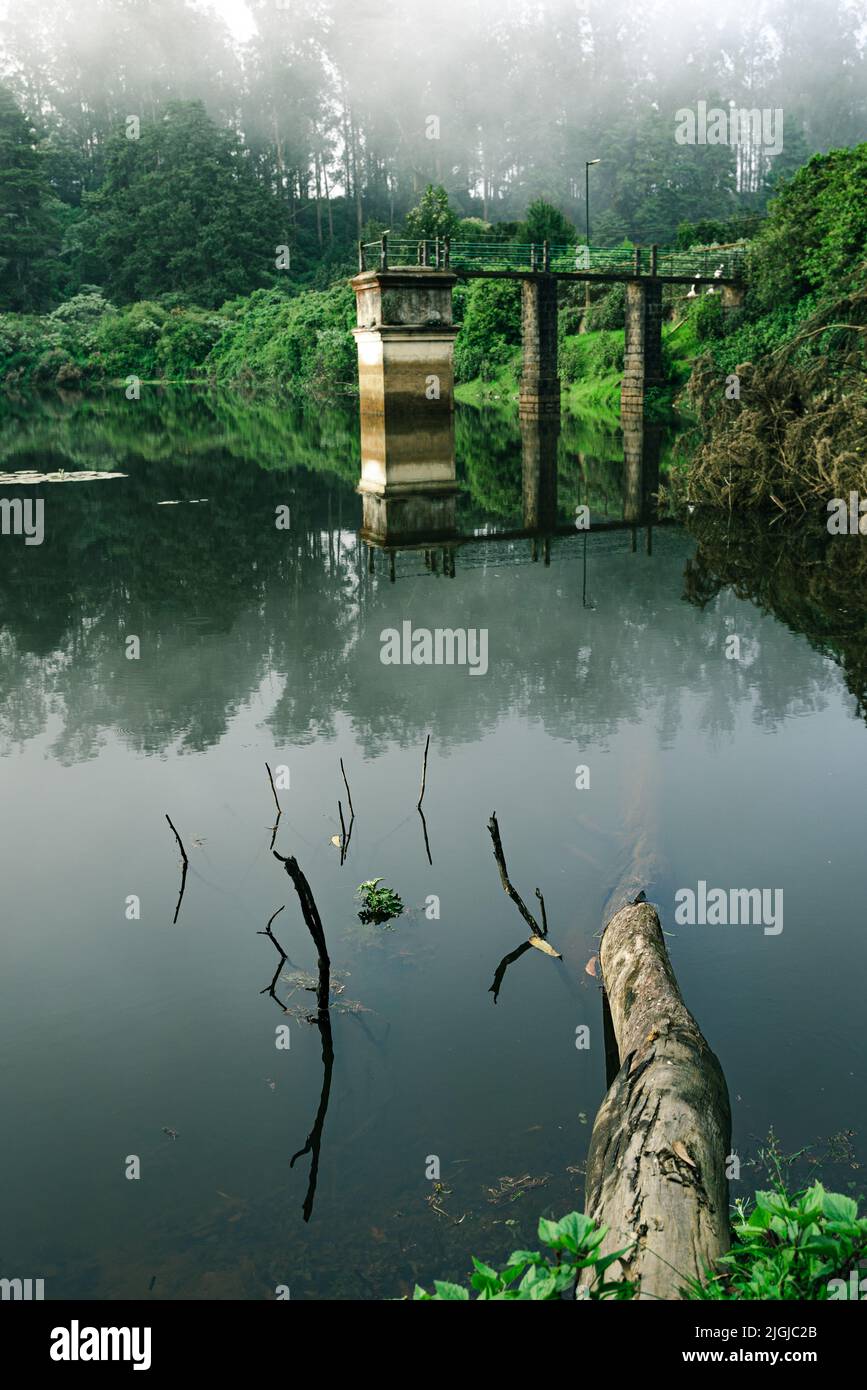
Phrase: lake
x=735 y=764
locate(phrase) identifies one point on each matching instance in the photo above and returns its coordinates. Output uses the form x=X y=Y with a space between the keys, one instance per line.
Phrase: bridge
x=405 y=331
x=490 y=258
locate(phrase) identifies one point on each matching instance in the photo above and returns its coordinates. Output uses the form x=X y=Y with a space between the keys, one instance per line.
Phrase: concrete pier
x=642 y=366
x=405 y=338
x=540 y=384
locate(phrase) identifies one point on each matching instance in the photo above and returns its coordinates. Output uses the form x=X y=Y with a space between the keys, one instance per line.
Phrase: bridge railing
x=440 y=253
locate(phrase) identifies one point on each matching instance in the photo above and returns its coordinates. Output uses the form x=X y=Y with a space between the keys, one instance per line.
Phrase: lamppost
x=587 y=164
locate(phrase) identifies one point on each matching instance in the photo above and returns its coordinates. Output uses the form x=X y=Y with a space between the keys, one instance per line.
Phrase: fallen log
x=656 y=1170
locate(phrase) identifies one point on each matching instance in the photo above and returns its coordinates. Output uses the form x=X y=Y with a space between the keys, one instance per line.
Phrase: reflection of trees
x=222 y=600
x=814 y=583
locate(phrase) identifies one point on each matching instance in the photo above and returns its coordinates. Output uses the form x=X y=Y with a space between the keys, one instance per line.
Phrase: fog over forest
x=348 y=110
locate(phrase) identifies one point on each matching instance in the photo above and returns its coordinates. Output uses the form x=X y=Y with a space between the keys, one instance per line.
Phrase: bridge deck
x=489 y=258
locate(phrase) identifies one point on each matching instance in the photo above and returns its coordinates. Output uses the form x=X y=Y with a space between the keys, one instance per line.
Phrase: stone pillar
x=539 y=436
x=540 y=384
x=405 y=338
x=643 y=357
x=732 y=296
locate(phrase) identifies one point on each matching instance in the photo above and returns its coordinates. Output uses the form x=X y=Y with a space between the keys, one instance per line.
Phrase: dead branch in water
x=184 y=870
x=423 y=773
x=274 y=790
x=348 y=792
x=271 y=989
x=539 y=934
x=311 y=916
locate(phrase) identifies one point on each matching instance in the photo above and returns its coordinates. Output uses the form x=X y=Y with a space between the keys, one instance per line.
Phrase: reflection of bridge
x=405 y=332
x=409 y=491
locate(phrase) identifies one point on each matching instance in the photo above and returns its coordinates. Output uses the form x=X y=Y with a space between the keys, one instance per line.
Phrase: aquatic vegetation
x=380 y=904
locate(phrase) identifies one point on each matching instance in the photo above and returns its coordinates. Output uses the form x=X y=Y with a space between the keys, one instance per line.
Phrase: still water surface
x=259 y=644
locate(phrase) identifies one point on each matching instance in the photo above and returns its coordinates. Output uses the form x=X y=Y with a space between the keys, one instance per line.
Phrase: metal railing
x=442 y=253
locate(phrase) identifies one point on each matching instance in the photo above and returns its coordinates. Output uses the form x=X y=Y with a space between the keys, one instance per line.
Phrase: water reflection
x=409 y=488
x=260 y=642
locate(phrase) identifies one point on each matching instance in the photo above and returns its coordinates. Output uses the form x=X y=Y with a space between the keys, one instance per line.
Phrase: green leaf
x=836 y=1207
x=451 y=1291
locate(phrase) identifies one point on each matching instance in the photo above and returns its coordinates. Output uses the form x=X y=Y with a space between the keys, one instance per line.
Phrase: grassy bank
x=780 y=392
x=591 y=371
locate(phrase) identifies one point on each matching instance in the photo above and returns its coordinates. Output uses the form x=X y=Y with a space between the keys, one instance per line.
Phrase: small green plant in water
x=380 y=904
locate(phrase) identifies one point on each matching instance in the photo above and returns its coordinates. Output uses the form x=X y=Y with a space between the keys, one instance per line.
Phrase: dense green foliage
x=491 y=328
x=788 y=1247
x=180 y=211
x=269 y=338
x=433 y=217
x=793 y=430
x=302 y=341
x=312 y=154
x=29 y=230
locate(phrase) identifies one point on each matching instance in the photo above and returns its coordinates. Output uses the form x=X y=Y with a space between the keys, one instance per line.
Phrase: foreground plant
x=791 y=1247
x=805 y=1246
x=380 y=904
x=574 y=1241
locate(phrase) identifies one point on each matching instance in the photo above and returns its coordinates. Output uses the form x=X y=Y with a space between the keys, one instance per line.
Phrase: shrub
x=491 y=328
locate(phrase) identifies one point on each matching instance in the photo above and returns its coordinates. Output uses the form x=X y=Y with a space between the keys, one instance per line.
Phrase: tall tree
x=181 y=211
x=29 y=230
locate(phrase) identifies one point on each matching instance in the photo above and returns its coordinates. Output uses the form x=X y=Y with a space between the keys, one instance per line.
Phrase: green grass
x=589 y=374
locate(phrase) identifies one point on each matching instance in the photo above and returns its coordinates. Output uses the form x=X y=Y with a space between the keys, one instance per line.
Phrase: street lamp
x=587 y=164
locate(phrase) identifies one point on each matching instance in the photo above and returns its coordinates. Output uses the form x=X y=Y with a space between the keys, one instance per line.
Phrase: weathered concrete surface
x=733 y=296
x=405 y=338
x=540 y=384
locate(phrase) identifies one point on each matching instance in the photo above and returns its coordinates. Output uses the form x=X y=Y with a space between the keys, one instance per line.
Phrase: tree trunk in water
x=656 y=1168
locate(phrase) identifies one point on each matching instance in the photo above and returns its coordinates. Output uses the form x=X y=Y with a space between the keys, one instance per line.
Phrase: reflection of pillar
x=642 y=363
x=540 y=384
x=539 y=438
x=642 y=445
x=407 y=481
